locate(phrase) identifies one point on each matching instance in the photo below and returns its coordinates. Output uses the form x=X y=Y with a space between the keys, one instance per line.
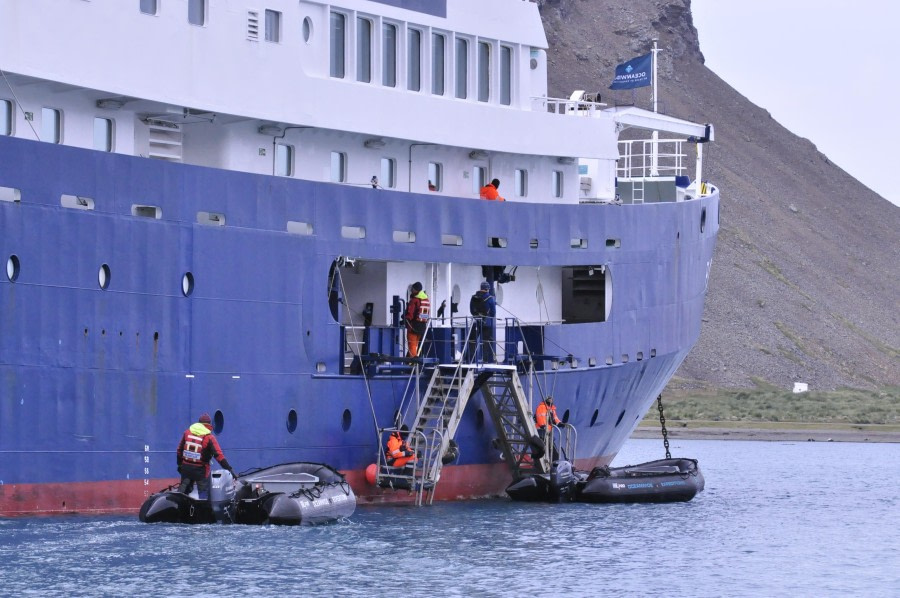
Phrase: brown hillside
x=805 y=285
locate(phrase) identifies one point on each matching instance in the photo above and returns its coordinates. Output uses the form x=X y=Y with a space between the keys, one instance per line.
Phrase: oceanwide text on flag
x=637 y=72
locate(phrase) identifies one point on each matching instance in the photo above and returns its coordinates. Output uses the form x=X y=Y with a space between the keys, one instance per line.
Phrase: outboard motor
x=562 y=481
x=221 y=495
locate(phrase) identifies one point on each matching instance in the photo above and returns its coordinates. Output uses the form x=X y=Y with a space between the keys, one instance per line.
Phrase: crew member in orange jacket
x=197 y=448
x=418 y=310
x=545 y=416
x=398 y=451
x=489 y=191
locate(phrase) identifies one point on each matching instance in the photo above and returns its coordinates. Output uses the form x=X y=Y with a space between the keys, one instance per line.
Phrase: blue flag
x=637 y=72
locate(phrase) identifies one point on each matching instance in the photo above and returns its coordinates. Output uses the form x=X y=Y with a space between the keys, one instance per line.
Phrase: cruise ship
x=221 y=206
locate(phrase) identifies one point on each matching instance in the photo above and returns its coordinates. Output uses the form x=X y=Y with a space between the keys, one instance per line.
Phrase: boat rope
x=662 y=422
x=18 y=103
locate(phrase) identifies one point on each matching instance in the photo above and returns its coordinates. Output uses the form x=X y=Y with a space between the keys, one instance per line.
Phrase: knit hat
x=205 y=419
x=485 y=286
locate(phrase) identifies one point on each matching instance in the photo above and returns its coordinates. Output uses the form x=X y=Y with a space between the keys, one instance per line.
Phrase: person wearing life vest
x=490 y=192
x=545 y=416
x=418 y=310
x=398 y=453
x=197 y=448
x=483 y=307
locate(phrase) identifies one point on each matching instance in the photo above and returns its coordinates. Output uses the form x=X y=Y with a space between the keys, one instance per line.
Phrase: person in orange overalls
x=398 y=451
x=490 y=192
x=545 y=416
x=418 y=311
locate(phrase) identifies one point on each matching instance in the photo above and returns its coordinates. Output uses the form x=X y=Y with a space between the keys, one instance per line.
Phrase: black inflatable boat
x=288 y=494
x=665 y=480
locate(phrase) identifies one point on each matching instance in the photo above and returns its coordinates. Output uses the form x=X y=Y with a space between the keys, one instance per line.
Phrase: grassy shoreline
x=769 y=413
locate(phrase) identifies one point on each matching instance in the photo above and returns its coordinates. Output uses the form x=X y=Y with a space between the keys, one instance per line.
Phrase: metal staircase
x=438 y=417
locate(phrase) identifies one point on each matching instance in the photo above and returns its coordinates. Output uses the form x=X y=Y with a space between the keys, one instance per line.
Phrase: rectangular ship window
x=388 y=173
x=6 y=121
x=521 y=177
x=557 y=183
x=51 y=125
x=148 y=7
x=273 y=26
x=484 y=71
x=299 y=228
x=338 y=167
x=404 y=236
x=414 y=60
x=103 y=134
x=284 y=160
x=462 y=68
x=389 y=55
x=479 y=178
x=437 y=64
x=435 y=176
x=197 y=12
x=505 y=75
x=338 y=43
x=363 y=50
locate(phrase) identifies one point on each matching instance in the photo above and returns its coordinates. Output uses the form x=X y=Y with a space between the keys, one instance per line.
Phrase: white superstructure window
x=149 y=7
x=284 y=159
x=51 y=125
x=437 y=63
x=273 y=26
x=479 y=179
x=338 y=167
x=388 y=173
x=103 y=134
x=389 y=55
x=197 y=12
x=338 y=44
x=414 y=60
x=484 y=71
x=521 y=181
x=557 y=183
x=462 y=68
x=505 y=75
x=435 y=176
x=6 y=120
x=363 y=50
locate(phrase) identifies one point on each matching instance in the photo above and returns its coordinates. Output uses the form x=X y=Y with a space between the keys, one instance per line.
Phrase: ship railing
x=565 y=437
x=645 y=158
x=565 y=107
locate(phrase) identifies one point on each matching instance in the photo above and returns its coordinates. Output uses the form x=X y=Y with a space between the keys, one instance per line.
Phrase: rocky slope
x=805 y=285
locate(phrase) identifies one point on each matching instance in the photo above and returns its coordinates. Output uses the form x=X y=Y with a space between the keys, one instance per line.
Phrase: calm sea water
x=776 y=519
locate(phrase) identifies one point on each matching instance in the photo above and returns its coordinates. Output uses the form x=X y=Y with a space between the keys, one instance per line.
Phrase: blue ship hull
x=97 y=384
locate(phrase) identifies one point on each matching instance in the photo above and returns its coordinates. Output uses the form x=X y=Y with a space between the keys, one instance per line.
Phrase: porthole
x=346 y=419
x=594 y=417
x=619 y=421
x=103 y=277
x=703 y=220
x=187 y=284
x=292 y=421
x=218 y=422
x=12 y=268
x=307 y=29
x=479 y=419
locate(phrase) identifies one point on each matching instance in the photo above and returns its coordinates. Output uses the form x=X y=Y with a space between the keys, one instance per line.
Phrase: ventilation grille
x=253 y=25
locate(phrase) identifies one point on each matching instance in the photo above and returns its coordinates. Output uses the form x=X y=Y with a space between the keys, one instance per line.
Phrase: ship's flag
x=637 y=72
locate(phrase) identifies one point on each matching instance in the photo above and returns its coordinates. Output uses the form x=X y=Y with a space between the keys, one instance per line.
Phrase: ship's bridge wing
x=630 y=116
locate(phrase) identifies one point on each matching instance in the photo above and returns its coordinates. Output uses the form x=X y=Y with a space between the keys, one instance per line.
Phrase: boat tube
x=661 y=481
x=288 y=494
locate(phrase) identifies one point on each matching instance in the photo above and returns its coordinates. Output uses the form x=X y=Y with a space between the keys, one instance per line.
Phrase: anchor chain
x=662 y=423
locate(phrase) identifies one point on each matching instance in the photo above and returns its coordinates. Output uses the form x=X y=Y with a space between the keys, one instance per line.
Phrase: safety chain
x=662 y=422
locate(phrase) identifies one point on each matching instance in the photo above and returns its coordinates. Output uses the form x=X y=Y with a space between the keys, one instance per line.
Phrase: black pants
x=481 y=333
x=191 y=475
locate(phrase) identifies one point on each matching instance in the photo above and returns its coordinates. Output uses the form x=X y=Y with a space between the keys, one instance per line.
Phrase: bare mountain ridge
x=805 y=284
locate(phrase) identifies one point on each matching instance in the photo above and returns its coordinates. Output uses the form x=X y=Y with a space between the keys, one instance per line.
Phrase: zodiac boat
x=288 y=494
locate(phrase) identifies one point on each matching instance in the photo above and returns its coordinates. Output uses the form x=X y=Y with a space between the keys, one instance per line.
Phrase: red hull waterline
x=462 y=482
